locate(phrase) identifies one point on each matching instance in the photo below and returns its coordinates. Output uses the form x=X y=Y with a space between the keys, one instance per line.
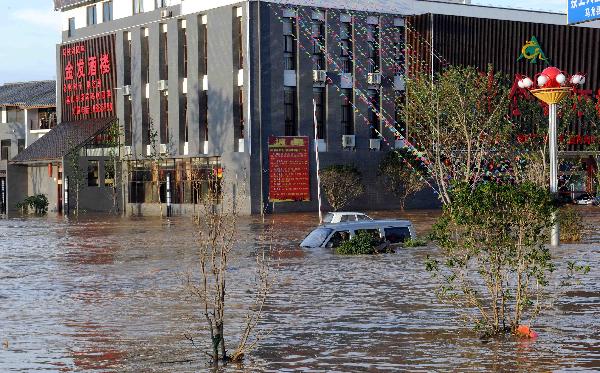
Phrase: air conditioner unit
x=374 y=144
x=162 y=85
x=374 y=78
x=319 y=76
x=348 y=141
x=165 y=13
x=126 y=90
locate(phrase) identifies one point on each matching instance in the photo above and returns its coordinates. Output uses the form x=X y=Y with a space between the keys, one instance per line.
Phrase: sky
x=30 y=29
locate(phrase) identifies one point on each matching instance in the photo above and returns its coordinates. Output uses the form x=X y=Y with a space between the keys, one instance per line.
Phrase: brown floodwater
x=106 y=294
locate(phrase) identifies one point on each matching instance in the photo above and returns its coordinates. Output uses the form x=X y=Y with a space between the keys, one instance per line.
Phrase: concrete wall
x=40 y=182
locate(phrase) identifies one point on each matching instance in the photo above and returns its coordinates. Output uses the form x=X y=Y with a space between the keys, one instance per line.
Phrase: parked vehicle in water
x=394 y=232
x=343 y=217
x=586 y=199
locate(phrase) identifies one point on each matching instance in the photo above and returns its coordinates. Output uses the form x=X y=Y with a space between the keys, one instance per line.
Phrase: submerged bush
x=569 y=220
x=362 y=243
x=38 y=202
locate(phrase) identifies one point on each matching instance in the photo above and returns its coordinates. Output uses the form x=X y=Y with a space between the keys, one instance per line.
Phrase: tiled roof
x=29 y=94
x=62 y=139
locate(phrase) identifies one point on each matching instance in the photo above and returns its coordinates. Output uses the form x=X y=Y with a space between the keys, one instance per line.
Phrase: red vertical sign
x=88 y=79
x=288 y=169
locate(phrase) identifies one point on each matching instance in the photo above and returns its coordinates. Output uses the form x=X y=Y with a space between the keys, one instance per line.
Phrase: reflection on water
x=108 y=297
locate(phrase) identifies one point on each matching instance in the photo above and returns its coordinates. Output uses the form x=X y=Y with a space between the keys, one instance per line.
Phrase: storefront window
x=192 y=180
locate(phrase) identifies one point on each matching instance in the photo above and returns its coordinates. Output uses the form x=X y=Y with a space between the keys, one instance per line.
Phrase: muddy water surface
x=107 y=295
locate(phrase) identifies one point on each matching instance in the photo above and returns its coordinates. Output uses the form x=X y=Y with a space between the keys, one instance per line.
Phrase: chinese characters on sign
x=88 y=79
x=583 y=10
x=288 y=169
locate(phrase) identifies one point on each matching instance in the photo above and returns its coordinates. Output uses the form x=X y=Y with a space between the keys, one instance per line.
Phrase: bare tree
x=217 y=230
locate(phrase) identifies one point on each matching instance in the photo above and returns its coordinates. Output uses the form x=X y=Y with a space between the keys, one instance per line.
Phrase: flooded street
x=108 y=296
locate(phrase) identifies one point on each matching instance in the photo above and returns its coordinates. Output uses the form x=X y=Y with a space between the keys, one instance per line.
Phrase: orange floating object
x=526 y=332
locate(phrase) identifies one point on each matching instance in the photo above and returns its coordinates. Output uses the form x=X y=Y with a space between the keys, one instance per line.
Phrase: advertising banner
x=88 y=79
x=582 y=11
x=289 y=169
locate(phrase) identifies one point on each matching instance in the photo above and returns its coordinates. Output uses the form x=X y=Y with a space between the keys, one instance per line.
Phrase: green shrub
x=342 y=184
x=414 y=243
x=362 y=243
x=38 y=202
x=569 y=220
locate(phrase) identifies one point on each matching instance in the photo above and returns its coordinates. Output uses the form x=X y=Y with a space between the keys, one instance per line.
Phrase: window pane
x=93 y=173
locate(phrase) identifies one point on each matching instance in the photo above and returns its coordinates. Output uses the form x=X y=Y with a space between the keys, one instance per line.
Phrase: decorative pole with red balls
x=552 y=86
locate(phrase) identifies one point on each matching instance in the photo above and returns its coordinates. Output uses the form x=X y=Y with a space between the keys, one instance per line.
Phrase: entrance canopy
x=61 y=140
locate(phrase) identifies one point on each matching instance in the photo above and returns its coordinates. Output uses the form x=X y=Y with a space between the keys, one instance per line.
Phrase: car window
x=362 y=217
x=316 y=237
x=397 y=234
x=337 y=238
x=373 y=232
x=328 y=218
x=345 y=218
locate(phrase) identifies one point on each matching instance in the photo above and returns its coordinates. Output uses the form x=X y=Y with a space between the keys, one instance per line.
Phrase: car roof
x=347 y=213
x=368 y=224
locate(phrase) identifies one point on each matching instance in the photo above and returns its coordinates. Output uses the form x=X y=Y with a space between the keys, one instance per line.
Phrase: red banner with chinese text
x=289 y=178
x=88 y=79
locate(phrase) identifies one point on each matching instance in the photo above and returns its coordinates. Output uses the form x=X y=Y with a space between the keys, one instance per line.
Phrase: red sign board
x=88 y=79
x=288 y=169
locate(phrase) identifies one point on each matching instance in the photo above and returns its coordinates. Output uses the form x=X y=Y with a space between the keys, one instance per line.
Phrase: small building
x=27 y=112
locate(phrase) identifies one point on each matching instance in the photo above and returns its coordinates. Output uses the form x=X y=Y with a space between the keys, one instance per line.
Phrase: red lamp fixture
x=552 y=84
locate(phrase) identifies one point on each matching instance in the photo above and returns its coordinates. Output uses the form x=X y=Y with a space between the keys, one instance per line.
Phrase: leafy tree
x=493 y=254
x=342 y=184
x=401 y=176
x=457 y=124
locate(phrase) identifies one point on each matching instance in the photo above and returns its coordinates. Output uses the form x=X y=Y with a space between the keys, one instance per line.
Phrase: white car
x=344 y=217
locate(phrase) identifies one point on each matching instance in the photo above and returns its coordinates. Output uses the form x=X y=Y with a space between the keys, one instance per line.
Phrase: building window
x=109 y=173
x=160 y=3
x=346 y=47
x=399 y=123
x=347 y=112
x=164 y=54
x=71 y=30
x=20 y=145
x=318 y=45
x=203 y=116
x=107 y=11
x=127 y=58
x=138 y=6
x=240 y=43
x=164 y=119
x=46 y=119
x=290 y=109
x=92 y=173
x=4 y=150
x=91 y=15
x=184 y=49
x=319 y=97
x=289 y=43
x=185 y=117
x=239 y=117
x=145 y=58
x=374 y=109
x=373 y=48
x=128 y=120
x=398 y=50
x=203 y=41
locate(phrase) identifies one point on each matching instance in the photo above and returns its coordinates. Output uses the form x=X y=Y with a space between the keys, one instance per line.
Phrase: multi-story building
x=27 y=112
x=204 y=87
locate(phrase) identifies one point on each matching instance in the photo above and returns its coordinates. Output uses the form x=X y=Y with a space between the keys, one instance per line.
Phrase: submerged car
x=343 y=217
x=586 y=199
x=393 y=232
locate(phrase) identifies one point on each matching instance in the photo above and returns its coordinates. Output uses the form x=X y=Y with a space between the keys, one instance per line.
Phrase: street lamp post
x=551 y=87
